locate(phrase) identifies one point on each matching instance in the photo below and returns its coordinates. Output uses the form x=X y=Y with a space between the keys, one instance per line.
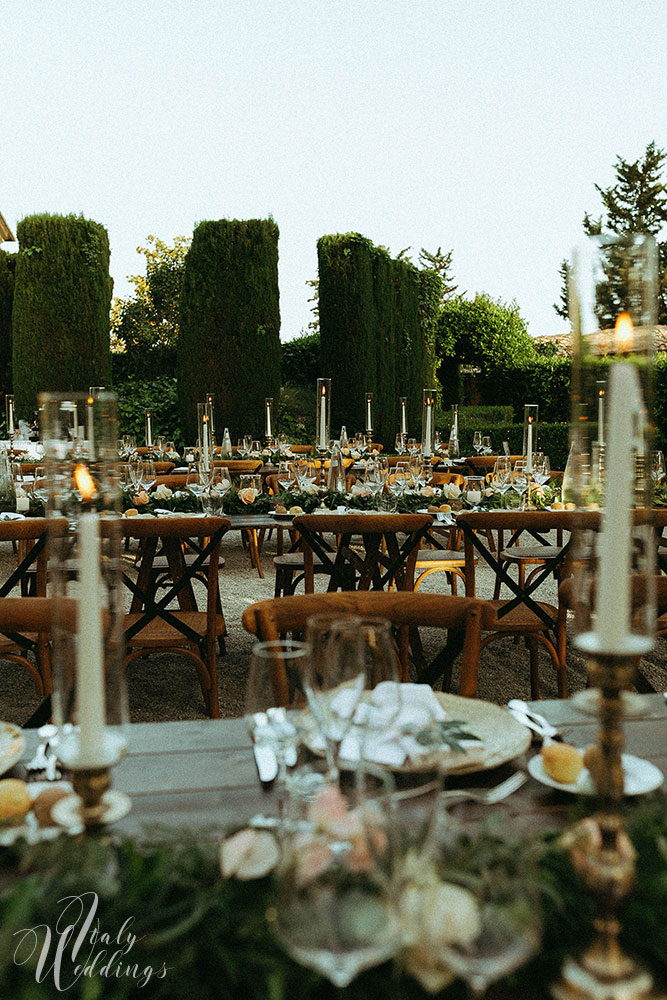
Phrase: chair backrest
x=387 y=559
x=240 y=466
x=172 y=532
x=443 y=478
x=269 y=619
x=32 y=535
x=301 y=449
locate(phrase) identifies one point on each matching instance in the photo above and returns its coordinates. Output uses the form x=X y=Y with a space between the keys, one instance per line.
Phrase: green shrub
x=300 y=360
x=230 y=324
x=7 y=268
x=551 y=438
x=545 y=381
x=60 y=319
x=296 y=414
x=160 y=395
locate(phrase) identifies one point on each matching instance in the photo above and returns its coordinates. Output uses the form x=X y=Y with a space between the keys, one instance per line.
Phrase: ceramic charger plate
x=503 y=737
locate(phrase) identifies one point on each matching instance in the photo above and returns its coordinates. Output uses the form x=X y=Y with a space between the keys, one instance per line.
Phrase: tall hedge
x=377 y=320
x=7 y=267
x=230 y=325
x=62 y=296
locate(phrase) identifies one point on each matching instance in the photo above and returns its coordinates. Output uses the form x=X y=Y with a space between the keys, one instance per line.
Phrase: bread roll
x=562 y=762
x=14 y=801
x=45 y=802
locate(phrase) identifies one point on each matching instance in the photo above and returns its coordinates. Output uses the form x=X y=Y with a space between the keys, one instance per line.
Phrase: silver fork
x=487 y=796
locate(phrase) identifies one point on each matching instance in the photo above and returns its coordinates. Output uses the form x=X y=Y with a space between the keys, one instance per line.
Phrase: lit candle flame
x=85 y=483
x=623 y=333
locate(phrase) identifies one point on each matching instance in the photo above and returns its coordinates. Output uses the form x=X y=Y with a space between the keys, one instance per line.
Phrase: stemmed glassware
x=136 y=473
x=215 y=490
x=502 y=473
x=399 y=444
x=658 y=469
x=477 y=441
x=148 y=474
x=499 y=928
x=287 y=479
x=337 y=902
x=486 y=444
x=541 y=468
x=374 y=479
x=473 y=490
x=521 y=478
x=334 y=678
x=275 y=674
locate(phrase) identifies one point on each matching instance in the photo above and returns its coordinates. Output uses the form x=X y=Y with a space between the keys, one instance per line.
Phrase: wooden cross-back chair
x=384 y=555
x=30 y=575
x=462 y=617
x=537 y=622
x=151 y=624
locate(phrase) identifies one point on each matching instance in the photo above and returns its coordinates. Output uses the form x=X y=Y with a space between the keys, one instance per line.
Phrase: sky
x=477 y=126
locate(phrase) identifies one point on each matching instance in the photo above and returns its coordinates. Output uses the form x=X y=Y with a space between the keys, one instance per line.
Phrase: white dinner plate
x=503 y=737
x=639 y=776
x=8 y=515
x=12 y=745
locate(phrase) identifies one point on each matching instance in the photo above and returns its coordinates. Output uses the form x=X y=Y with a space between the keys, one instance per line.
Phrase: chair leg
x=533 y=647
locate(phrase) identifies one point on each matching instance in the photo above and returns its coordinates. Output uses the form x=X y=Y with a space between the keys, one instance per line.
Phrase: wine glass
x=413 y=446
x=40 y=488
x=161 y=446
x=495 y=927
x=136 y=473
x=374 y=479
x=477 y=441
x=399 y=443
x=276 y=669
x=502 y=472
x=334 y=678
x=541 y=468
x=520 y=477
x=214 y=492
x=193 y=481
x=286 y=476
x=255 y=447
x=337 y=902
x=658 y=469
x=148 y=475
x=486 y=444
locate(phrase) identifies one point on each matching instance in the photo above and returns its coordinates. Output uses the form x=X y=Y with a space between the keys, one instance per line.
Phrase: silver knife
x=541 y=727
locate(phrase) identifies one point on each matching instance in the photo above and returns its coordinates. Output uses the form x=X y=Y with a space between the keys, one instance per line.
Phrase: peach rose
x=247 y=495
x=141 y=499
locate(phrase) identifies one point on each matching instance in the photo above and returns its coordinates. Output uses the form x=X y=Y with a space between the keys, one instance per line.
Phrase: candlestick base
x=95 y=803
x=601 y=851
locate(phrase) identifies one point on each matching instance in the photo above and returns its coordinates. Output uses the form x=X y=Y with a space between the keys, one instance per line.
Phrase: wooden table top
x=202 y=773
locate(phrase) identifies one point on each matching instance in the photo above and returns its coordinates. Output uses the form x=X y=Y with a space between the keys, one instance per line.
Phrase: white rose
x=451 y=491
x=451 y=915
x=162 y=492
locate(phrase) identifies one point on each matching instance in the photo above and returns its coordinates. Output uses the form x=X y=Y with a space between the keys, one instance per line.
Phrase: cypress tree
x=230 y=325
x=62 y=297
x=377 y=322
x=7 y=267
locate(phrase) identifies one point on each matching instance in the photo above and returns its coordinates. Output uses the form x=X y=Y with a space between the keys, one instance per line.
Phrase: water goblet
x=275 y=676
x=486 y=444
x=337 y=905
x=214 y=492
x=136 y=472
x=413 y=446
x=477 y=441
x=334 y=678
x=494 y=926
x=148 y=475
x=399 y=444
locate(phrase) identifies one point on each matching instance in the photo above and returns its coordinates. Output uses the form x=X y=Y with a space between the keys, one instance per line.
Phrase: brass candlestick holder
x=604 y=857
x=94 y=803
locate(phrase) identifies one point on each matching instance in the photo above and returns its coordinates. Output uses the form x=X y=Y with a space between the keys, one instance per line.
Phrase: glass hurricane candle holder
x=428 y=422
x=531 y=415
x=204 y=442
x=268 y=418
x=613 y=306
x=89 y=698
x=210 y=407
x=323 y=414
x=368 y=414
x=403 y=411
x=149 y=428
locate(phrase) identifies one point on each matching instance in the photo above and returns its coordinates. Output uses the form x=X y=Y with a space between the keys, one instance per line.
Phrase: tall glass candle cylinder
x=83 y=508
x=531 y=415
x=403 y=406
x=368 y=412
x=204 y=436
x=323 y=414
x=268 y=417
x=149 y=428
x=613 y=306
x=455 y=420
x=210 y=408
x=9 y=414
x=428 y=422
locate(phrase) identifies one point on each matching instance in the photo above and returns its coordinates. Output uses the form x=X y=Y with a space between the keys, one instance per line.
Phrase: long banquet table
x=201 y=774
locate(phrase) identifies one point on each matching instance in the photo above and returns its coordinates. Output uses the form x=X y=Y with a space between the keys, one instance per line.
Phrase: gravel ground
x=164 y=687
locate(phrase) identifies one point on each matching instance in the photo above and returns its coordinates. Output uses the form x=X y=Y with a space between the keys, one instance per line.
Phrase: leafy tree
x=441 y=263
x=483 y=333
x=636 y=203
x=151 y=318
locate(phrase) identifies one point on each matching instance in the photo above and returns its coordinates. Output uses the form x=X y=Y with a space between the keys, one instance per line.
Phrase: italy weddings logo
x=78 y=948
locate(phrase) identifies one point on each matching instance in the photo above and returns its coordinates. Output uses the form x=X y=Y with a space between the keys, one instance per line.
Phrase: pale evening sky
x=479 y=126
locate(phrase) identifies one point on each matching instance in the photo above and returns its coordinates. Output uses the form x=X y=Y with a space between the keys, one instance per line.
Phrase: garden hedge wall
x=62 y=295
x=230 y=325
x=7 y=268
x=377 y=321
